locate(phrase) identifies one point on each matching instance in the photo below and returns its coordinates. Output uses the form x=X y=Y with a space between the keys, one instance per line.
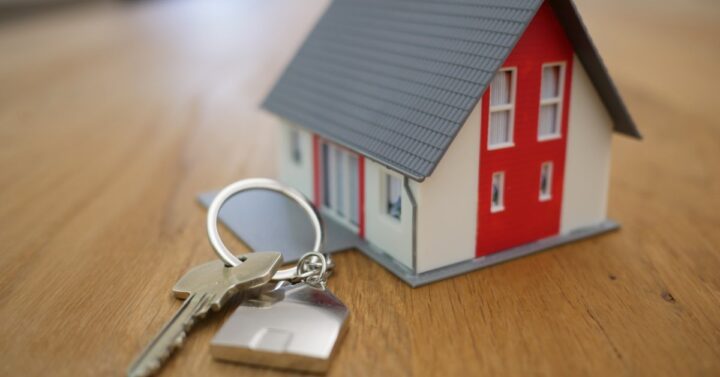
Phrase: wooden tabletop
x=113 y=116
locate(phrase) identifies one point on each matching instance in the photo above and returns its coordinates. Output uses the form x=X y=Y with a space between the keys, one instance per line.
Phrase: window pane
x=551 y=82
x=295 y=146
x=500 y=90
x=496 y=193
x=353 y=189
x=549 y=119
x=326 y=174
x=546 y=181
x=499 y=127
x=394 y=198
x=339 y=182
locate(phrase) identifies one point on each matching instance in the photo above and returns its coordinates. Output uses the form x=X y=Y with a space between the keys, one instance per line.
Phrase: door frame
x=319 y=184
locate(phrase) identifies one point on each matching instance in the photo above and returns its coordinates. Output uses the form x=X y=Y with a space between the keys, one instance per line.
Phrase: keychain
x=297 y=322
x=289 y=326
x=293 y=323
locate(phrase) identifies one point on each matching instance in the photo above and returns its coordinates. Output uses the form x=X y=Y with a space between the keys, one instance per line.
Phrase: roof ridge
x=396 y=80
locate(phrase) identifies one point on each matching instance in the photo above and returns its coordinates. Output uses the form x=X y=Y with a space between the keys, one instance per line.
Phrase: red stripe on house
x=525 y=217
x=361 y=193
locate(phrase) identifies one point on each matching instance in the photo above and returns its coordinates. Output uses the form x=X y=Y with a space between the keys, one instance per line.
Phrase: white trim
x=384 y=183
x=494 y=208
x=299 y=175
x=296 y=155
x=500 y=146
x=546 y=196
x=559 y=100
x=394 y=237
x=338 y=211
x=505 y=107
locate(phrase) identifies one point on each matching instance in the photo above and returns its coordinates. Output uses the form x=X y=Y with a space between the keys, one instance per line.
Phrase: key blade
x=170 y=337
x=206 y=287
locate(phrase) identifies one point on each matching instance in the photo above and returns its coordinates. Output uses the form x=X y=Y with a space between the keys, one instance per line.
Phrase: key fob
x=290 y=327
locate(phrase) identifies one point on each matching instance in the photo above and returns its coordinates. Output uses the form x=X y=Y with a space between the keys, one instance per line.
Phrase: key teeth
x=154 y=365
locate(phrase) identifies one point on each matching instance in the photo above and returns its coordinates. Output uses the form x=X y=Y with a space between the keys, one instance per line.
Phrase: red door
x=524 y=125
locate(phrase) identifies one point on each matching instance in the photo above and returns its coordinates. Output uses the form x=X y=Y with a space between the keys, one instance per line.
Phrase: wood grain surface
x=113 y=116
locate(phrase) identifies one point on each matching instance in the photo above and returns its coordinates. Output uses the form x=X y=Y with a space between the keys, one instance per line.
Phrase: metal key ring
x=258 y=184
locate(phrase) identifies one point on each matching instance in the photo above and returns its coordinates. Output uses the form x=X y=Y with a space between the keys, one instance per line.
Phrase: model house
x=451 y=135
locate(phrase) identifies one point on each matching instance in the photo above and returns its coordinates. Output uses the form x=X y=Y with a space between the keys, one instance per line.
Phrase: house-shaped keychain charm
x=439 y=138
x=290 y=327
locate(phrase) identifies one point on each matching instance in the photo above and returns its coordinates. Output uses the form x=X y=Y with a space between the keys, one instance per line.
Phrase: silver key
x=204 y=287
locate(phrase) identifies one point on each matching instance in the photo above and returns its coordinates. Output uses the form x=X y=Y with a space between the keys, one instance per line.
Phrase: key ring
x=260 y=184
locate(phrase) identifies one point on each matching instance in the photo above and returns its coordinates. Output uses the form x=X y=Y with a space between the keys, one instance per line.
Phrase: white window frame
x=510 y=107
x=553 y=101
x=339 y=211
x=295 y=139
x=546 y=196
x=385 y=189
x=494 y=208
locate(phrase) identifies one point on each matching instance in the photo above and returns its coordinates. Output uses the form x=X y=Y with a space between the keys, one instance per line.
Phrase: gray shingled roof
x=396 y=79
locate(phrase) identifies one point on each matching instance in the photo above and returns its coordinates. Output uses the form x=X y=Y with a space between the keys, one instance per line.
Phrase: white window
x=393 y=196
x=340 y=183
x=326 y=172
x=546 y=175
x=497 y=192
x=338 y=172
x=353 y=186
x=502 y=109
x=295 y=152
x=551 y=98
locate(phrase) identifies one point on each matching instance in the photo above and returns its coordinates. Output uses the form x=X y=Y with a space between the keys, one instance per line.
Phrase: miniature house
x=448 y=136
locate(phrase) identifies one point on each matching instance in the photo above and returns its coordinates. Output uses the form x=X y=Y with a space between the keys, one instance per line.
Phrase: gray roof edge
x=405 y=172
x=592 y=61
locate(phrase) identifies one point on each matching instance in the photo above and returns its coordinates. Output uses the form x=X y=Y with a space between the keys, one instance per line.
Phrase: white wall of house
x=448 y=200
x=298 y=174
x=587 y=166
x=391 y=235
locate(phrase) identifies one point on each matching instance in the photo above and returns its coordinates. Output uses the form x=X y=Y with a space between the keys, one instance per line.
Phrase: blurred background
x=114 y=115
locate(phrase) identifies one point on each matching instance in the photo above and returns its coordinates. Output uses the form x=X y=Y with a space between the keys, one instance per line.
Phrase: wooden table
x=114 y=116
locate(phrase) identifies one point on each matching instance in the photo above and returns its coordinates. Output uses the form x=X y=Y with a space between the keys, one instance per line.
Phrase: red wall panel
x=526 y=218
